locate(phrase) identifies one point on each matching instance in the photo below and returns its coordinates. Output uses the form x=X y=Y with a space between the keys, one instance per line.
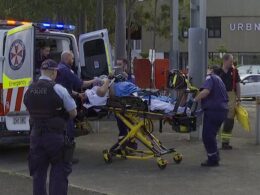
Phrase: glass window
x=258 y=78
x=94 y=48
x=250 y=79
x=214 y=27
x=137 y=44
x=95 y=59
x=56 y=46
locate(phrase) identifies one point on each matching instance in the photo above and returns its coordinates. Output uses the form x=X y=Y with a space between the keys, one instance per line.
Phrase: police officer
x=68 y=79
x=229 y=75
x=214 y=102
x=50 y=106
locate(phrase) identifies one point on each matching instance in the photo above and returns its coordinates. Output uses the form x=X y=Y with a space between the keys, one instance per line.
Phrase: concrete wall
x=238 y=34
x=233 y=7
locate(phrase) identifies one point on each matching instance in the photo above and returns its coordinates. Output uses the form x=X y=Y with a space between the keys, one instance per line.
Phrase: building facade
x=233 y=25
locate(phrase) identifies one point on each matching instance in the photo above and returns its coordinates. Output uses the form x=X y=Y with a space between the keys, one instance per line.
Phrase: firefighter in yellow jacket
x=229 y=75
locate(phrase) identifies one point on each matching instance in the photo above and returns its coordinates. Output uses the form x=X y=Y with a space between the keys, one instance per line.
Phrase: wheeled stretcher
x=135 y=114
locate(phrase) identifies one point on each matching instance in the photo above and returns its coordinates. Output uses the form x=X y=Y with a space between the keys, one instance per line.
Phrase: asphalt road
x=238 y=173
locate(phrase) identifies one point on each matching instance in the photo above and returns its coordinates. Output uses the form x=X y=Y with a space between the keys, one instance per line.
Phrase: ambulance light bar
x=56 y=26
x=40 y=25
x=12 y=23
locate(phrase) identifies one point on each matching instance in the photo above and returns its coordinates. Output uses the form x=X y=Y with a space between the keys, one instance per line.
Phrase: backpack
x=177 y=80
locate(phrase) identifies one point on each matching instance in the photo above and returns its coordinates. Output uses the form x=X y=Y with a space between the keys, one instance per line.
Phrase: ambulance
x=19 y=43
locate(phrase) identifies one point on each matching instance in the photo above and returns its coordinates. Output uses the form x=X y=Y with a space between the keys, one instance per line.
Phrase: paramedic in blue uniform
x=123 y=64
x=123 y=69
x=214 y=102
x=42 y=54
x=50 y=106
x=68 y=79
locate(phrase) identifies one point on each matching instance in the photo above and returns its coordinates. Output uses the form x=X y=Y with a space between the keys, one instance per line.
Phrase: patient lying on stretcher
x=98 y=95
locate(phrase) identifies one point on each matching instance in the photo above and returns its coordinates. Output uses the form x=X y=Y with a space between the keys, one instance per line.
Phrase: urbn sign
x=244 y=27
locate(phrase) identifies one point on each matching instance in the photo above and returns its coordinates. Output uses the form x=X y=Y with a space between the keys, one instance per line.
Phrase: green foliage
x=66 y=11
x=144 y=55
x=217 y=60
x=163 y=18
x=222 y=49
x=82 y=13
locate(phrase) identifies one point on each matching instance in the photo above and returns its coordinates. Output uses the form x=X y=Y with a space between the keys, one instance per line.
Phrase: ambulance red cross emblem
x=17 y=54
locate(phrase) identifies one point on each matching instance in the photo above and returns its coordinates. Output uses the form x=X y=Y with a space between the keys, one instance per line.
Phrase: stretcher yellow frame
x=138 y=131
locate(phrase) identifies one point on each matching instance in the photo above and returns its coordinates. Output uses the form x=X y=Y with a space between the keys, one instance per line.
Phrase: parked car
x=248 y=69
x=250 y=85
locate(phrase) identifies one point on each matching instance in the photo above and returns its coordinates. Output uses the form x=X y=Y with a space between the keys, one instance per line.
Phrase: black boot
x=210 y=164
x=75 y=161
x=226 y=146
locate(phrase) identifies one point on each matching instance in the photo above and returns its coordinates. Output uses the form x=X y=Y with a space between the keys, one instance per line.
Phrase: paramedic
x=214 y=102
x=49 y=105
x=41 y=55
x=125 y=72
x=123 y=64
x=68 y=79
x=229 y=75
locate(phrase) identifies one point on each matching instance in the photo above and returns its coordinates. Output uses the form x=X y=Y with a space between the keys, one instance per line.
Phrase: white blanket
x=95 y=100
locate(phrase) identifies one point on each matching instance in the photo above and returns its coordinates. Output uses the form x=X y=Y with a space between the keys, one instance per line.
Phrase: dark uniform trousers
x=46 y=150
x=123 y=129
x=228 y=125
x=211 y=124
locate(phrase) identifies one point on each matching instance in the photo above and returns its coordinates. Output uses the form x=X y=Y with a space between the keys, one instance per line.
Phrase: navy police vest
x=45 y=106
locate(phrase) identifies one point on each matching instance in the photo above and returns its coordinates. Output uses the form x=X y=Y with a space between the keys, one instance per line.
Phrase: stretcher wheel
x=162 y=163
x=107 y=157
x=177 y=157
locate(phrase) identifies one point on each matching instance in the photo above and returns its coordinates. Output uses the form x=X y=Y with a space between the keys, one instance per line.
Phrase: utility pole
x=198 y=42
x=174 y=52
x=197 y=46
x=120 y=50
x=99 y=16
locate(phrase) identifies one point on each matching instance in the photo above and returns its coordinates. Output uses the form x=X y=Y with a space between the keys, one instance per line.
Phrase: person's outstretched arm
x=101 y=91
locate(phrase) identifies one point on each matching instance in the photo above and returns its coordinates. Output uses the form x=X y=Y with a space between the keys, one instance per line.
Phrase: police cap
x=49 y=64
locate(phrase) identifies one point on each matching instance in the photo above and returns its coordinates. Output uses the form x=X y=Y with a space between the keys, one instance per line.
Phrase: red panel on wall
x=142 y=72
x=161 y=73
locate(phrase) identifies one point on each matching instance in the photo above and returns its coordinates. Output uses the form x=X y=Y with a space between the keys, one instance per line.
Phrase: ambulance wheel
x=177 y=157
x=107 y=157
x=161 y=163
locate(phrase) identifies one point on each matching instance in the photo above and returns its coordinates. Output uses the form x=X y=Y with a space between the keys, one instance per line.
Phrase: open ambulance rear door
x=17 y=75
x=95 y=54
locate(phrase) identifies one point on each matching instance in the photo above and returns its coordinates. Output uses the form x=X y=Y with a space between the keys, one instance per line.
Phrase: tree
x=99 y=16
x=160 y=23
x=110 y=18
x=134 y=19
x=76 y=12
